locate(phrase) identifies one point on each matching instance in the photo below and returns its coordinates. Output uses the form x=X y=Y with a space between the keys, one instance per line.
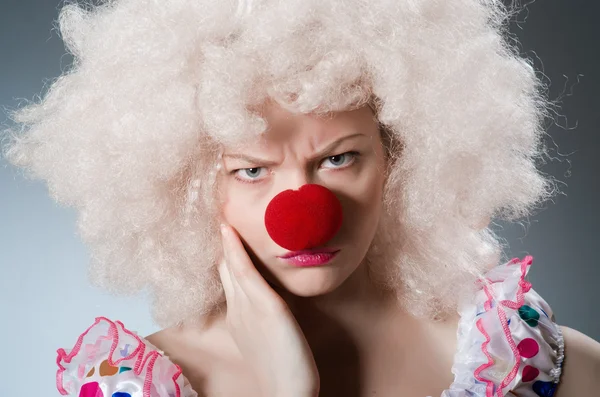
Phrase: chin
x=309 y=292
x=310 y=283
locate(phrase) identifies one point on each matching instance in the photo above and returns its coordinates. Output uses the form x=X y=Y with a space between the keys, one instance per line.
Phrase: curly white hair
x=129 y=135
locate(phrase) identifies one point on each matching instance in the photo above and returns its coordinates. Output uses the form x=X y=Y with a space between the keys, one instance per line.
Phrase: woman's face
x=343 y=153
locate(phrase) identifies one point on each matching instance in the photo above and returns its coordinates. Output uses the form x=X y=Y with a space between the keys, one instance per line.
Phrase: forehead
x=285 y=127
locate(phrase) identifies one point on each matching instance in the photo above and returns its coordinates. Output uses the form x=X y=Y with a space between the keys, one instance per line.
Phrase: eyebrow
x=320 y=153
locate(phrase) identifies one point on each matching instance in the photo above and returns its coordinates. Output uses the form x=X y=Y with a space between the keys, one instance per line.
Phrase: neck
x=343 y=317
x=353 y=308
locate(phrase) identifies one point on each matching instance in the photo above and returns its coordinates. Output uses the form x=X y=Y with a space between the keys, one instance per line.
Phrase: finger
x=226 y=281
x=243 y=271
x=238 y=292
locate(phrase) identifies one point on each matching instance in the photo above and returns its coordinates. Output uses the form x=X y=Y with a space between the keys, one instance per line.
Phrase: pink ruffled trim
x=113 y=334
x=524 y=286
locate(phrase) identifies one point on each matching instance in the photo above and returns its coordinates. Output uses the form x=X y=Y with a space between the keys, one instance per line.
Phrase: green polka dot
x=529 y=315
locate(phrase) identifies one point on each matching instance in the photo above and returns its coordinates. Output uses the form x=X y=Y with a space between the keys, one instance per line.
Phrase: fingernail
x=223 y=229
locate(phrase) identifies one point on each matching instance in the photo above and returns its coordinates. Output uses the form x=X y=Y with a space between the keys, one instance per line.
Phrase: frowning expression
x=342 y=152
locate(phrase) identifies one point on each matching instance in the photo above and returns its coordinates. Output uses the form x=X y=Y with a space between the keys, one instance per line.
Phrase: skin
x=363 y=343
x=581 y=366
x=298 y=147
x=347 y=321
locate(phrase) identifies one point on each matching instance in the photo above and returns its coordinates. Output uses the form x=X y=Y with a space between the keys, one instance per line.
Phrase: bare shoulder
x=581 y=366
x=208 y=360
x=180 y=348
x=159 y=339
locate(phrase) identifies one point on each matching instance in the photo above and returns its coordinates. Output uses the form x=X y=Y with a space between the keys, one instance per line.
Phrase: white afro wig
x=130 y=134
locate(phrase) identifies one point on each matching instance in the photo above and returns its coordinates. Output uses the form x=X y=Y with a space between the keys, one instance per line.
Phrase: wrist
x=291 y=391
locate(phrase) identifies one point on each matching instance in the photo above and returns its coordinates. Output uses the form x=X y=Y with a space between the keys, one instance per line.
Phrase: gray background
x=45 y=299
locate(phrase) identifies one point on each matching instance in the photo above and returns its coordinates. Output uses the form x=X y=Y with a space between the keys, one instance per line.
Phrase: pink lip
x=309 y=252
x=315 y=257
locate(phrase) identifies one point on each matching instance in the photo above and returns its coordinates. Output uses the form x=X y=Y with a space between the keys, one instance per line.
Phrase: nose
x=305 y=218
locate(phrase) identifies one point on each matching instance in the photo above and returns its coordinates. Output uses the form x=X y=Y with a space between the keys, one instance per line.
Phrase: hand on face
x=262 y=326
x=344 y=154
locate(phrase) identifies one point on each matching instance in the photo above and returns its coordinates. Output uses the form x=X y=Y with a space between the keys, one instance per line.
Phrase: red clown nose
x=304 y=218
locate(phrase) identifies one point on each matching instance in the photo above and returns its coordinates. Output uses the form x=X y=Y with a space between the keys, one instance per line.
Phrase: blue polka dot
x=544 y=389
x=123 y=369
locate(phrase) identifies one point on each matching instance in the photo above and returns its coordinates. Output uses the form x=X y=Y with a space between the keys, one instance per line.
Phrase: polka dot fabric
x=508 y=341
x=508 y=346
x=108 y=360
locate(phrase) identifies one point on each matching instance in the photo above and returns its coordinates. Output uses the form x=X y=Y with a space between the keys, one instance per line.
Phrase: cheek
x=241 y=213
x=371 y=201
x=247 y=218
x=363 y=206
x=233 y=206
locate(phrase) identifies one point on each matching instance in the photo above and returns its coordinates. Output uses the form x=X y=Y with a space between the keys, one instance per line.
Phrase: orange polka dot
x=107 y=370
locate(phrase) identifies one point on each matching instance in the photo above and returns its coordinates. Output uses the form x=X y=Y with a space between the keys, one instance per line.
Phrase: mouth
x=312 y=257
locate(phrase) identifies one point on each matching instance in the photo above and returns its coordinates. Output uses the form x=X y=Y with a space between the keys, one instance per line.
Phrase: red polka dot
x=530 y=373
x=91 y=390
x=528 y=347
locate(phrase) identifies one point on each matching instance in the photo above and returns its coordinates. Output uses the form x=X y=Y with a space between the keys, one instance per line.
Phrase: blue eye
x=248 y=174
x=252 y=172
x=256 y=174
x=341 y=160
